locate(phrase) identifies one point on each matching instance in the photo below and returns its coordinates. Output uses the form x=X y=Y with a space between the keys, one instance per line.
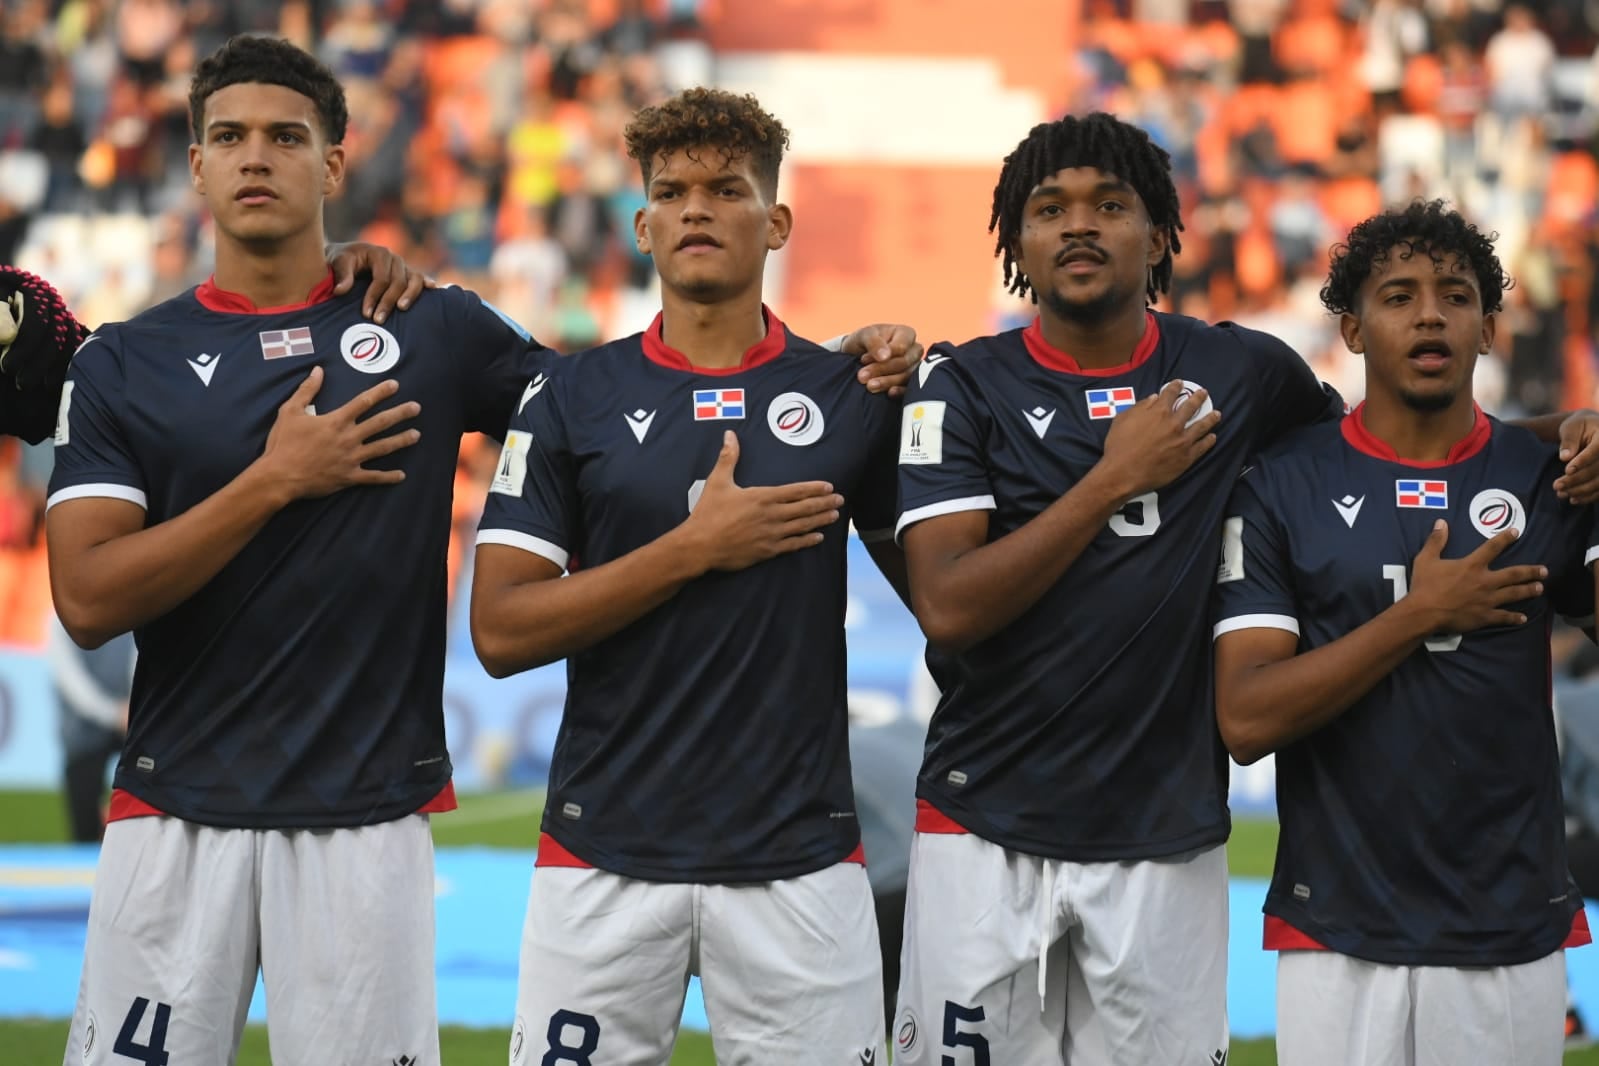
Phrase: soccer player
x=700 y=816
x=1383 y=606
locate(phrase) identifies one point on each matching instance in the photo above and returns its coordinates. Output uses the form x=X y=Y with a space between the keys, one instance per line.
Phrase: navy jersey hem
x=683 y=873
x=1519 y=950
x=1077 y=851
x=390 y=809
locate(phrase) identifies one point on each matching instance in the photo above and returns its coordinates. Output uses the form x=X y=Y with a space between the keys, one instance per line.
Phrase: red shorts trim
x=929 y=819
x=127 y=805
x=1280 y=936
x=551 y=853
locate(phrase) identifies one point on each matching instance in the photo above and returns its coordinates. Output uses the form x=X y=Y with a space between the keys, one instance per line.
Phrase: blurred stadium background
x=485 y=147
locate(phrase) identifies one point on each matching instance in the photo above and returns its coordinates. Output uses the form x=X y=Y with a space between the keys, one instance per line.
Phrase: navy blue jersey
x=303 y=685
x=1424 y=825
x=708 y=740
x=1084 y=729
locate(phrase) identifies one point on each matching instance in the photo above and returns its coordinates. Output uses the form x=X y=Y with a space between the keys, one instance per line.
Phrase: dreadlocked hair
x=733 y=124
x=1096 y=140
x=1431 y=228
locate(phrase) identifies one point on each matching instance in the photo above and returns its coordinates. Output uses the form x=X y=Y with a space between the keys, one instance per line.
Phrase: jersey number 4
x=1395 y=575
x=127 y=1046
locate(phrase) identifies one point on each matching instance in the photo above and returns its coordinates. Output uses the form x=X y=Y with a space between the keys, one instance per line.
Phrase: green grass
x=510 y=820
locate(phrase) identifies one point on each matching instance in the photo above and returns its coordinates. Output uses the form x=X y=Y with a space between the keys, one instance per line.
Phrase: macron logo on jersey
x=1108 y=403
x=714 y=405
x=283 y=343
x=1428 y=495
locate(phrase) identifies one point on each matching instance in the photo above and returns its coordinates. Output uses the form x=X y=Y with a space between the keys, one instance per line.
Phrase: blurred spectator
x=1520 y=59
x=92 y=690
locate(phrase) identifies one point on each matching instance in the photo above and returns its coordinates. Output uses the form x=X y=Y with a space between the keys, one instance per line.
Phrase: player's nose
x=1081 y=221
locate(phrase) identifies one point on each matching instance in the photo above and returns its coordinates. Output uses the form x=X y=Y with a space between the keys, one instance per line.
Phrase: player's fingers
x=787 y=512
x=363 y=476
x=415 y=283
x=383 y=273
x=805 y=525
x=388 y=445
x=1434 y=546
x=1506 y=618
x=1198 y=427
x=305 y=393
x=363 y=402
x=1517 y=593
x=1201 y=446
x=1580 y=484
x=343 y=272
x=1494 y=546
x=726 y=459
x=1188 y=405
x=1517 y=575
x=389 y=418
x=797 y=543
x=896 y=391
x=794 y=491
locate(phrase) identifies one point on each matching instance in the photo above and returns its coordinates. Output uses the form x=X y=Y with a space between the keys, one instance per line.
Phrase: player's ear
x=641 y=233
x=1159 y=242
x=1349 y=326
x=779 y=224
x=333 y=165
x=1490 y=325
x=196 y=179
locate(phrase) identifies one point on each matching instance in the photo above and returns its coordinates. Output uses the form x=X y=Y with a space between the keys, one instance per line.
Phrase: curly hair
x=698 y=118
x=1429 y=228
x=269 y=61
x=1096 y=140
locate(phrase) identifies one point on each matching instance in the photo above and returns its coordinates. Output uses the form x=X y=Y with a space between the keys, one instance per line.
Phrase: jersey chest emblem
x=369 y=348
x=1492 y=511
x=1420 y=493
x=795 y=419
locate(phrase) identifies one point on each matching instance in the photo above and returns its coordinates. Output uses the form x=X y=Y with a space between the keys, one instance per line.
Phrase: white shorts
x=790 y=969
x=339 y=922
x=1333 y=1010
x=1016 y=959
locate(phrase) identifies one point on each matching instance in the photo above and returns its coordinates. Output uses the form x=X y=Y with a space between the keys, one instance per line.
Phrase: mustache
x=1080 y=246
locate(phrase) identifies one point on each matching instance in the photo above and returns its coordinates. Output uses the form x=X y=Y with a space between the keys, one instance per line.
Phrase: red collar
x=233 y=303
x=1360 y=439
x=771 y=346
x=1047 y=354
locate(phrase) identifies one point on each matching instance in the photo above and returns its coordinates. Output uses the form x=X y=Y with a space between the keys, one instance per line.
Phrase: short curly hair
x=269 y=61
x=733 y=124
x=1104 y=142
x=1430 y=228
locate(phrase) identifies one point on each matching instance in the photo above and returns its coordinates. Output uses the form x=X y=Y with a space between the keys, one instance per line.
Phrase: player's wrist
x=266 y=484
x=1109 y=485
x=1417 y=619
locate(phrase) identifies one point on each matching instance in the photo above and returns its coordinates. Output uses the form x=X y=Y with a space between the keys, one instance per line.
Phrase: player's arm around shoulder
x=1268 y=691
x=1288 y=393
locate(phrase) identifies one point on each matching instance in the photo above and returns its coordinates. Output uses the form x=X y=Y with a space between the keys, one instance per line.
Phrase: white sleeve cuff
x=512 y=538
x=104 y=491
x=1257 y=621
x=934 y=510
x=1593 y=553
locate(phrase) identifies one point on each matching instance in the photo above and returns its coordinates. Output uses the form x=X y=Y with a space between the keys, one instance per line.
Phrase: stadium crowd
x=485 y=147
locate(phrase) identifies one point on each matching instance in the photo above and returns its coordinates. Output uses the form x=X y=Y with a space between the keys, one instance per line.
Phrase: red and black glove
x=37 y=338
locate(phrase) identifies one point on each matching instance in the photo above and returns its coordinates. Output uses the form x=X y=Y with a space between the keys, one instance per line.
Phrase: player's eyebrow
x=1103 y=187
x=271 y=127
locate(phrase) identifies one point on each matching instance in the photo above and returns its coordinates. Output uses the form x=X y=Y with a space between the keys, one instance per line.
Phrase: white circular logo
x=1189 y=388
x=795 y=419
x=907 y=1033
x=369 y=348
x=1493 y=511
x=88 y=1037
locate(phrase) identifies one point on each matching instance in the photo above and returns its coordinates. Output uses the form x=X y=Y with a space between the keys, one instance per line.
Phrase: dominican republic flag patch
x=1429 y=495
x=1108 y=403
x=282 y=343
x=711 y=405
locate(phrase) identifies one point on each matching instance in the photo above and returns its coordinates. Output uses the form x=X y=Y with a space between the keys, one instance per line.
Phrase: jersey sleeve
x=877 y=497
x=941 y=466
x=93 y=456
x=499 y=359
x=1254 y=586
x=532 y=500
x=1291 y=397
x=1573 y=599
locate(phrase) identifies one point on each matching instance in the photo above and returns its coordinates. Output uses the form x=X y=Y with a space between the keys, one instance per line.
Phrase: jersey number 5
x=1140 y=517
x=1396 y=576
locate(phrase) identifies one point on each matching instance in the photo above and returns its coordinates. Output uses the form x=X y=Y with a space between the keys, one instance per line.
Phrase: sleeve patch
x=921 y=434
x=63 y=417
x=1232 y=551
x=511 y=474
